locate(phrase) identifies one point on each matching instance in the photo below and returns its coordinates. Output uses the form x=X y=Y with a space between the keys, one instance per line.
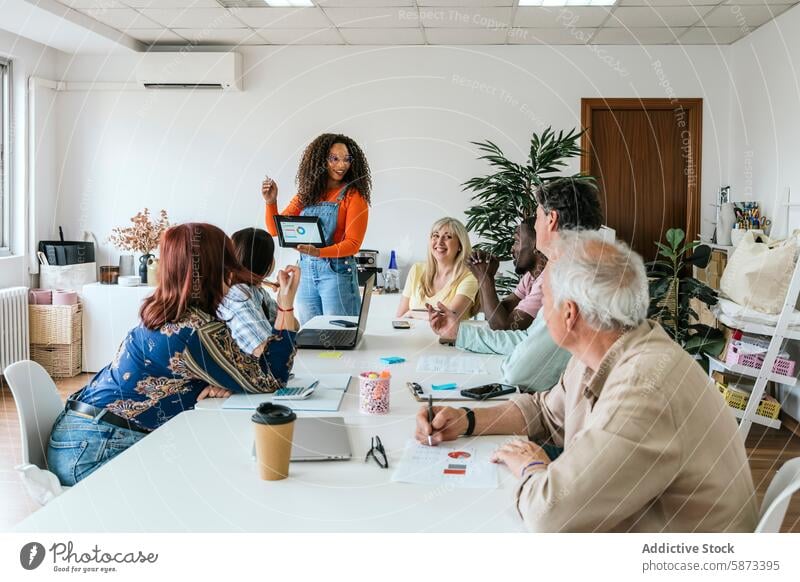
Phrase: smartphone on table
x=400 y=324
x=488 y=391
x=344 y=323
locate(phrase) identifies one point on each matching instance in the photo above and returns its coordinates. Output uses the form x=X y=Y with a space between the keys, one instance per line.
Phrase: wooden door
x=645 y=154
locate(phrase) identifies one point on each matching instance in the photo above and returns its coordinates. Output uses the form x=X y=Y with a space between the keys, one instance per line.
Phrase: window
x=5 y=161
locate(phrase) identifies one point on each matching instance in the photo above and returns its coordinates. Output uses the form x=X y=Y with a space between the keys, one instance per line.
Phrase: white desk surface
x=196 y=474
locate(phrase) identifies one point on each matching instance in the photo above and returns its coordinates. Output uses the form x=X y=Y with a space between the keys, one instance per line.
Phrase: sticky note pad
x=393 y=360
x=330 y=355
x=450 y=386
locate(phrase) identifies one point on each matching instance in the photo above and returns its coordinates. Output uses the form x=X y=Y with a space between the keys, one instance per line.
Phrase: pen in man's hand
x=430 y=417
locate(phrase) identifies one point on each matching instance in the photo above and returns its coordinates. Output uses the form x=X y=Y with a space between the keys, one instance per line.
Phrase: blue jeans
x=327 y=287
x=80 y=445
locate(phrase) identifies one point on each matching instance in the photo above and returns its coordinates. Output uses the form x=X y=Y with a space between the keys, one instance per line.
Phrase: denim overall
x=327 y=286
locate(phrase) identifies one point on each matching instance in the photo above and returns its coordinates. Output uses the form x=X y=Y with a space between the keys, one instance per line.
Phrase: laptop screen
x=365 y=299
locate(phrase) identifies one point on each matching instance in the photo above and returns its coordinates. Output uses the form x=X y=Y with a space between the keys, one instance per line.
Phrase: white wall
x=765 y=119
x=414 y=110
x=29 y=59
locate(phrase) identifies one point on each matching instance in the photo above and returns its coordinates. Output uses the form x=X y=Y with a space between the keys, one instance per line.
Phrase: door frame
x=693 y=125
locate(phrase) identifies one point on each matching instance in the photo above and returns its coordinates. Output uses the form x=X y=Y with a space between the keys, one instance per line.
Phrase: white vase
x=727 y=218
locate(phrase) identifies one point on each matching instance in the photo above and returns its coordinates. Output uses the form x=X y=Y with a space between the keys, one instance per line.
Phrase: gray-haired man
x=649 y=444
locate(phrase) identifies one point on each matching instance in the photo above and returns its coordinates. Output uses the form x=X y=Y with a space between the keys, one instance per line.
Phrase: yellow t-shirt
x=467 y=285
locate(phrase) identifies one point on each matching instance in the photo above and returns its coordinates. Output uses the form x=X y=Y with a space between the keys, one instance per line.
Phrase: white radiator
x=14 y=345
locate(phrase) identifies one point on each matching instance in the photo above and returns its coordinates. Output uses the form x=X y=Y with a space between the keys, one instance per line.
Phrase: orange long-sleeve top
x=351 y=225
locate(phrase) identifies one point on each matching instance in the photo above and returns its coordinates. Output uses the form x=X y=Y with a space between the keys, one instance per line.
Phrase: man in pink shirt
x=518 y=310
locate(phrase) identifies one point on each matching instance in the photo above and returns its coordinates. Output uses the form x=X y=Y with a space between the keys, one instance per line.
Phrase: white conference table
x=196 y=473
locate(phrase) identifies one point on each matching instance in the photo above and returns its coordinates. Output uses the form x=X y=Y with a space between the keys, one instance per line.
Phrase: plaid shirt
x=241 y=310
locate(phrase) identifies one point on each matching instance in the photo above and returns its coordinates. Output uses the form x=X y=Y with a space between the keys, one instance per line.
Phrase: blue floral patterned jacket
x=157 y=374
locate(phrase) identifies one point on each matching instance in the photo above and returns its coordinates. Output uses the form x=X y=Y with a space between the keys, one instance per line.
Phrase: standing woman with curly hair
x=334 y=184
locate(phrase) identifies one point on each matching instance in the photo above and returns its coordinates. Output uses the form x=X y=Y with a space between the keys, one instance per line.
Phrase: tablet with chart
x=299 y=230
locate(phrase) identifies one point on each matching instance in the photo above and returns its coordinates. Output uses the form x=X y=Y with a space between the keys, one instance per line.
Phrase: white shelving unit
x=780 y=332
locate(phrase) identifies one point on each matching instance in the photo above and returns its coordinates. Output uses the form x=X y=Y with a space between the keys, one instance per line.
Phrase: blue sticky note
x=393 y=360
x=450 y=386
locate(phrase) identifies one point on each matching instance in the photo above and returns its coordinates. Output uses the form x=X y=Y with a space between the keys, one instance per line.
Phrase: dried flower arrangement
x=143 y=237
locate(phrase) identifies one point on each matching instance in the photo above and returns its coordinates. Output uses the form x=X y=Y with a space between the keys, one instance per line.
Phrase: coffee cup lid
x=269 y=413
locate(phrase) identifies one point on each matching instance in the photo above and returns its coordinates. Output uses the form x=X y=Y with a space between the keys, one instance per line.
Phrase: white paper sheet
x=326 y=381
x=466 y=467
x=452 y=364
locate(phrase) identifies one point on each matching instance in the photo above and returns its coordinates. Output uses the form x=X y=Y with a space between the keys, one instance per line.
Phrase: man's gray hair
x=606 y=280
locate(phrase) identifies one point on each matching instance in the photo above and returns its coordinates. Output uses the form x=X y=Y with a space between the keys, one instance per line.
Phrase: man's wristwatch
x=470 y=421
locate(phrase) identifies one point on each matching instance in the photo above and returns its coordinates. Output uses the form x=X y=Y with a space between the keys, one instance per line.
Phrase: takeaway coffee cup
x=274 y=428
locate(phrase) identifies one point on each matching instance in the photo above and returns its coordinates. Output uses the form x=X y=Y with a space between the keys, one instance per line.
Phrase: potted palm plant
x=505 y=196
x=672 y=292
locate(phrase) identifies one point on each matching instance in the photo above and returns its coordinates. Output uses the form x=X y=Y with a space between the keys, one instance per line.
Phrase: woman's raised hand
x=269 y=190
x=288 y=281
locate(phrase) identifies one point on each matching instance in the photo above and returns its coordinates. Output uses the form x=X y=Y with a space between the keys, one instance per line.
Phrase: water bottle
x=392 y=275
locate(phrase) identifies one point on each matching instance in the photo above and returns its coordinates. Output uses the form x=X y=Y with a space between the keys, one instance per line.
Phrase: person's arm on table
x=450 y=423
x=606 y=475
x=536 y=362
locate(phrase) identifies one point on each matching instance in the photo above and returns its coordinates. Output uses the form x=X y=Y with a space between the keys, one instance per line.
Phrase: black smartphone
x=401 y=325
x=344 y=323
x=488 y=391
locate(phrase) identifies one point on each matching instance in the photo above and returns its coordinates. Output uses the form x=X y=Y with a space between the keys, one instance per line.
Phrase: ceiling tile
x=120 y=18
x=373 y=17
x=661 y=16
x=761 y=2
x=465 y=17
x=364 y=3
x=390 y=36
x=742 y=16
x=472 y=3
x=702 y=35
x=193 y=17
x=564 y=17
x=637 y=36
x=92 y=3
x=285 y=36
x=550 y=35
x=172 y=3
x=282 y=17
x=455 y=36
x=669 y=2
x=156 y=36
x=220 y=36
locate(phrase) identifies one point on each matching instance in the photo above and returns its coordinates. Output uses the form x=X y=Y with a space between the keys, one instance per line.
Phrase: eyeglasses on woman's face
x=334 y=159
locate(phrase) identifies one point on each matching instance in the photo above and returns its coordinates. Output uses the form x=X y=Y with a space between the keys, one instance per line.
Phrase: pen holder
x=373 y=393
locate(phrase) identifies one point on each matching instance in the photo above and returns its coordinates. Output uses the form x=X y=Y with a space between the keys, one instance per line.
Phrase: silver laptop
x=320 y=439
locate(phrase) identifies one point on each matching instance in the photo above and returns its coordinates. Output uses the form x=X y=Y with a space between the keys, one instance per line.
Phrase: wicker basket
x=55 y=324
x=60 y=360
x=769 y=407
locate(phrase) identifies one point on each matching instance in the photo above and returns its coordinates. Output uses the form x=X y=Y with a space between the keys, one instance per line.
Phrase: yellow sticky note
x=330 y=355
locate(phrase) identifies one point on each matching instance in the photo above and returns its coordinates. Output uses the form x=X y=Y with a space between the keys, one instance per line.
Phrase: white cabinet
x=109 y=312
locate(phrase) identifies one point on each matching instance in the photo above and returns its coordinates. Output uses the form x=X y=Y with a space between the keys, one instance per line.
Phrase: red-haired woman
x=177 y=355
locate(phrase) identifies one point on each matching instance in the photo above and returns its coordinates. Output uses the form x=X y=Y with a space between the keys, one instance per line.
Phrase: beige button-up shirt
x=649 y=446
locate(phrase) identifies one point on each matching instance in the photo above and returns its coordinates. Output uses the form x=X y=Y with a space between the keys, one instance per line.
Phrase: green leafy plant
x=671 y=294
x=505 y=196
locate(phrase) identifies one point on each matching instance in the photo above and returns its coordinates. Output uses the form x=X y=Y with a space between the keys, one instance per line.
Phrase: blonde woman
x=444 y=277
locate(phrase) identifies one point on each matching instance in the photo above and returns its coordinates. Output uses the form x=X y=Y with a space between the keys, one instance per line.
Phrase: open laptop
x=320 y=439
x=319 y=334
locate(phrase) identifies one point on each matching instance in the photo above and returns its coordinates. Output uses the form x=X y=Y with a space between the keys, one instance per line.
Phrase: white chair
x=38 y=405
x=779 y=493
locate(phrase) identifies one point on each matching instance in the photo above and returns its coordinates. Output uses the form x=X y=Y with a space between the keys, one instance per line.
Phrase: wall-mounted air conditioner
x=190 y=70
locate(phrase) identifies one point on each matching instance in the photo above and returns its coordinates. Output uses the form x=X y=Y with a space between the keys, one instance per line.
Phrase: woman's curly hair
x=312 y=175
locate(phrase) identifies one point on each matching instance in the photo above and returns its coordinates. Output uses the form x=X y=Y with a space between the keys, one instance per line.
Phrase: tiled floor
x=768 y=450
